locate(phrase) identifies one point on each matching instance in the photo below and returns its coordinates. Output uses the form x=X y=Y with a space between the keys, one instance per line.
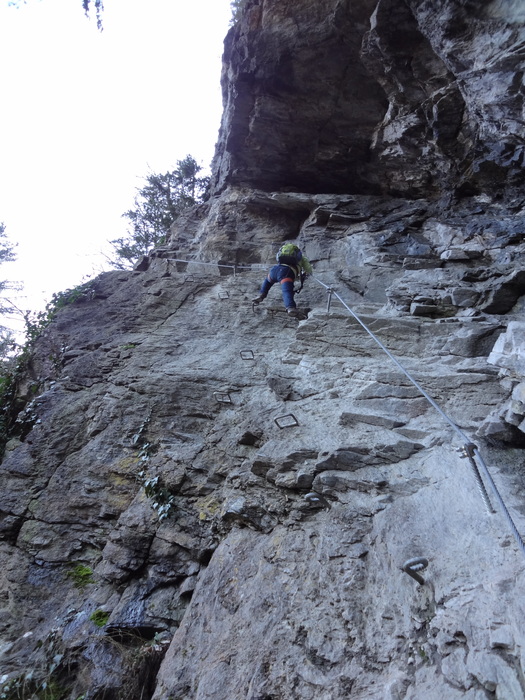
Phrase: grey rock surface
x=204 y=499
x=269 y=557
x=408 y=98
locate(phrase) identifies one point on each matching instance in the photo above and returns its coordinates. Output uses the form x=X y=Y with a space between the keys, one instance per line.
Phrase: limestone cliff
x=201 y=500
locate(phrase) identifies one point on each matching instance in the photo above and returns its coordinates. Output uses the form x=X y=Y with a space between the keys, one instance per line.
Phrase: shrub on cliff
x=16 y=408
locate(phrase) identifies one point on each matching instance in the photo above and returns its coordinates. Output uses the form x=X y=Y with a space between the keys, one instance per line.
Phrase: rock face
x=201 y=499
x=411 y=98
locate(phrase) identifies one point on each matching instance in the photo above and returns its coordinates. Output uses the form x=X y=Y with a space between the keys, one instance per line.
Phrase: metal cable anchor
x=330 y=291
x=467 y=451
x=412 y=566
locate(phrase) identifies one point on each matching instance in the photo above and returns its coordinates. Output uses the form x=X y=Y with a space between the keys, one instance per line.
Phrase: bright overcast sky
x=86 y=115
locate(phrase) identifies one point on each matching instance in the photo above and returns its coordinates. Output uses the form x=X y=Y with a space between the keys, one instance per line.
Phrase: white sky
x=86 y=115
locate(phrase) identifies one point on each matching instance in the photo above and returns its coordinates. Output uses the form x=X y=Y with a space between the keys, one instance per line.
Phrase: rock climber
x=292 y=264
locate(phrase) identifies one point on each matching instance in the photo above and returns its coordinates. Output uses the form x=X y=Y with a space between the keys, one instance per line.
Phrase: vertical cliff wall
x=410 y=97
x=205 y=500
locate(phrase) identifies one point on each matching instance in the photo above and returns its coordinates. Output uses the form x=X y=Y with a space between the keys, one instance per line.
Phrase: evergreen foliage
x=8 y=344
x=7 y=254
x=6 y=248
x=99 y=7
x=86 y=4
x=237 y=7
x=162 y=199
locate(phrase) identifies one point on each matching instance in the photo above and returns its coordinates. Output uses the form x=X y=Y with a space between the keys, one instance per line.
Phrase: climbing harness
x=302 y=278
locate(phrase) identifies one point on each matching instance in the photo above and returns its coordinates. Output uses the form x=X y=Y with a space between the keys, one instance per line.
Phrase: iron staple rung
x=412 y=566
x=417 y=563
x=281 y=421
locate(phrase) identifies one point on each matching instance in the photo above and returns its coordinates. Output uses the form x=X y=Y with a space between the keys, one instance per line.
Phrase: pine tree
x=7 y=254
x=237 y=7
x=163 y=198
x=86 y=4
x=99 y=7
x=7 y=340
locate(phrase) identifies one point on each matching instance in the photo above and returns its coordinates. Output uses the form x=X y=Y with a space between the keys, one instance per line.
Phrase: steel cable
x=471 y=449
x=468 y=443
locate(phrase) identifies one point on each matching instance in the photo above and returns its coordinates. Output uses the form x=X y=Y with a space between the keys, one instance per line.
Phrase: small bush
x=163 y=499
x=81 y=575
x=25 y=688
x=45 y=680
x=99 y=618
x=16 y=360
x=37 y=322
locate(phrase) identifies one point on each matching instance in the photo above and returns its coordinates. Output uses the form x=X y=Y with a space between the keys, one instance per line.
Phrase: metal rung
x=317 y=500
x=247 y=355
x=287 y=421
x=222 y=397
x=412 y=566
